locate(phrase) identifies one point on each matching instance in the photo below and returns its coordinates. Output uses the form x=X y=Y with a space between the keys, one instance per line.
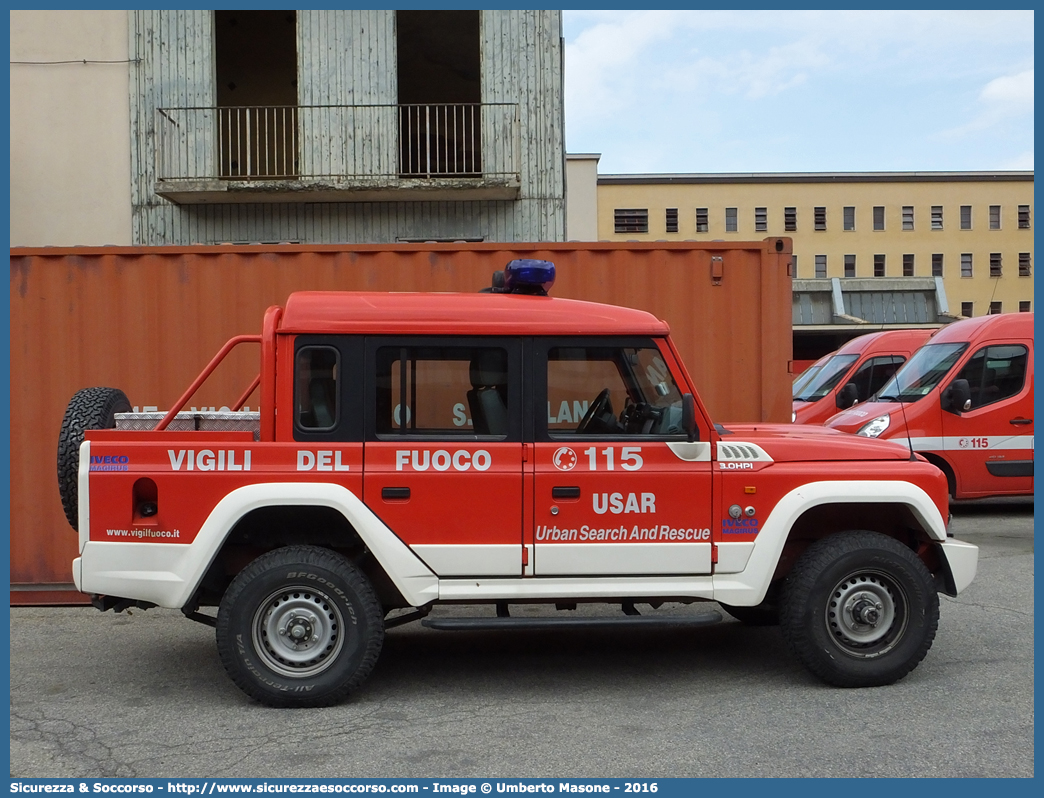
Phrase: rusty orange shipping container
x=148 y=319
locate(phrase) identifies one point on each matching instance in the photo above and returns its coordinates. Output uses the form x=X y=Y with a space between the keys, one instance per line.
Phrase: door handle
x=395 y=493
x=1020 y=422
x=562 y=492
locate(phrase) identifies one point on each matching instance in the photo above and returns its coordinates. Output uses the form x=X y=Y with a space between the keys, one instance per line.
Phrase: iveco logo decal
x=564 y=459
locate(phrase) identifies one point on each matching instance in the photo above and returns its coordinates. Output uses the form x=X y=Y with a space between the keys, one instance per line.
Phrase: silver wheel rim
x=298 y=631
x=866 y=613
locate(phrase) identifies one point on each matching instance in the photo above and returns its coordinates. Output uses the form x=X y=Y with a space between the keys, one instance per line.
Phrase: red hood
x=805 y=442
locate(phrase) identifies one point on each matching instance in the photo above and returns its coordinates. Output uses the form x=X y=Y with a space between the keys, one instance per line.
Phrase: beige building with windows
x=883 y=235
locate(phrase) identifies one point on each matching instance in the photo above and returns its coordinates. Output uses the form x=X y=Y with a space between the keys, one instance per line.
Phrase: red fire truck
x=496 y=448
x=965 y=402
x=854 y=373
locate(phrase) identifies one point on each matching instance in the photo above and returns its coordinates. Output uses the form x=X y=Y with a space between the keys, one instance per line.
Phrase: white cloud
x=1013 y=91
x=618 y=56
x=1000 y=100
x=687 y=87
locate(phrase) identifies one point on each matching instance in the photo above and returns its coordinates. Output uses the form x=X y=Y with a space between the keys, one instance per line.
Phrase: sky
x=800 y=91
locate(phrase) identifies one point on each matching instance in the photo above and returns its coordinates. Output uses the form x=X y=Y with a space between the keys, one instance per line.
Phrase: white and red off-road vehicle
x=496 y=448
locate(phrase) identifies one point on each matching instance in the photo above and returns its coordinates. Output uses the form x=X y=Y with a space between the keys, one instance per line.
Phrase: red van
x=854 y=373
x=964 y=401
x=802 y=379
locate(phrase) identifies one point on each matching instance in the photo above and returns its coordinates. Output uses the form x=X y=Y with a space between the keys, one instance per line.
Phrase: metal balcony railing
x=338 y=142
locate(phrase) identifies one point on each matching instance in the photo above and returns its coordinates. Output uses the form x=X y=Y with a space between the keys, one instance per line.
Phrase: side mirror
x=689 y=416
x=847 y=396
x=956 y=398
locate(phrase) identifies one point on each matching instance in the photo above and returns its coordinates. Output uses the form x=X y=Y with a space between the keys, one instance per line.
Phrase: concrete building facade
x=181 y=127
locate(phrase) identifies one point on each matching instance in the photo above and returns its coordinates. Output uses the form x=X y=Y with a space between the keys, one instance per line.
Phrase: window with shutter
x=701 y=220
x=995 y=264
x=1024 y=217
x=1024 y=264
x=937 y=217
x=631 y=220
x=672 y=220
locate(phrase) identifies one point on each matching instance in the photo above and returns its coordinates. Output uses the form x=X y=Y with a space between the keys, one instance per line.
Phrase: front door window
x=618 y=487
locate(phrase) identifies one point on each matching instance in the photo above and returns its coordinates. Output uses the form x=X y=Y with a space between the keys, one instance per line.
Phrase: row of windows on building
x=967 y=261
x=636 y=220
x=968 y=308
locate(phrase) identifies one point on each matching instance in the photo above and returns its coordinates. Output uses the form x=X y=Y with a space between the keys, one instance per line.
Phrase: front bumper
x=961 y=561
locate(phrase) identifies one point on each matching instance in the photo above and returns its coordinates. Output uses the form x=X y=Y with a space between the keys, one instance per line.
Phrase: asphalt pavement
x=143 y=694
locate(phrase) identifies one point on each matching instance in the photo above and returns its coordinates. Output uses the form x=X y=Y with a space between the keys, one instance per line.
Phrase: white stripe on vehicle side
x=921 y=444
x=953 y=442
x=468 y=560
x=167 y=573
x=748 y=587
x=622 y=559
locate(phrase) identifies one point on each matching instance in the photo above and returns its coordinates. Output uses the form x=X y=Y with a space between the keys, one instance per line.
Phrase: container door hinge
x=717 y=269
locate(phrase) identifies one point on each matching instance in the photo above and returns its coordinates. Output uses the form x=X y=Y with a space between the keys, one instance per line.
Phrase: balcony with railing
x=338 y=153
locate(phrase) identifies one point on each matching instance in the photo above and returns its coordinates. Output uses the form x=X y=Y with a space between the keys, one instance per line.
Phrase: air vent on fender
x=750 y=452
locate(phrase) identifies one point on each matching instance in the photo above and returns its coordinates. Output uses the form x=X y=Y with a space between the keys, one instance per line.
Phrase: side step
x=614 y=622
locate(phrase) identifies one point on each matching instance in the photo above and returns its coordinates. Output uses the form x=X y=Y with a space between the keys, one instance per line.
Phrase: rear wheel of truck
x=299 y=627
x=859 y=609
x=90 y=408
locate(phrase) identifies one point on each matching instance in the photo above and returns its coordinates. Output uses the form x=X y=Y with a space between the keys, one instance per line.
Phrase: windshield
x=802 y=379
x=826 y=379
x=922 y=372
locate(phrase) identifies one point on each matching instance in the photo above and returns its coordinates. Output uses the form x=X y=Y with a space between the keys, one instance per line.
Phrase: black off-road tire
x=299 y=627
x=91 y=408
x=859 y=609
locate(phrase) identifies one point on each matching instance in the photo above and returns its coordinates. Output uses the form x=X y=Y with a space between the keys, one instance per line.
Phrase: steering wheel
x=640 y=417
x=601 y=404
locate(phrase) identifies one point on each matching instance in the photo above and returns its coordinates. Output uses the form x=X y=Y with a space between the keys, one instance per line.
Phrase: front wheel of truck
x=859 y=609
x=299 y=627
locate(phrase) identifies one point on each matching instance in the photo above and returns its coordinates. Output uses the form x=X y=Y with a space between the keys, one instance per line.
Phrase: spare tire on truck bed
x=91 y=408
